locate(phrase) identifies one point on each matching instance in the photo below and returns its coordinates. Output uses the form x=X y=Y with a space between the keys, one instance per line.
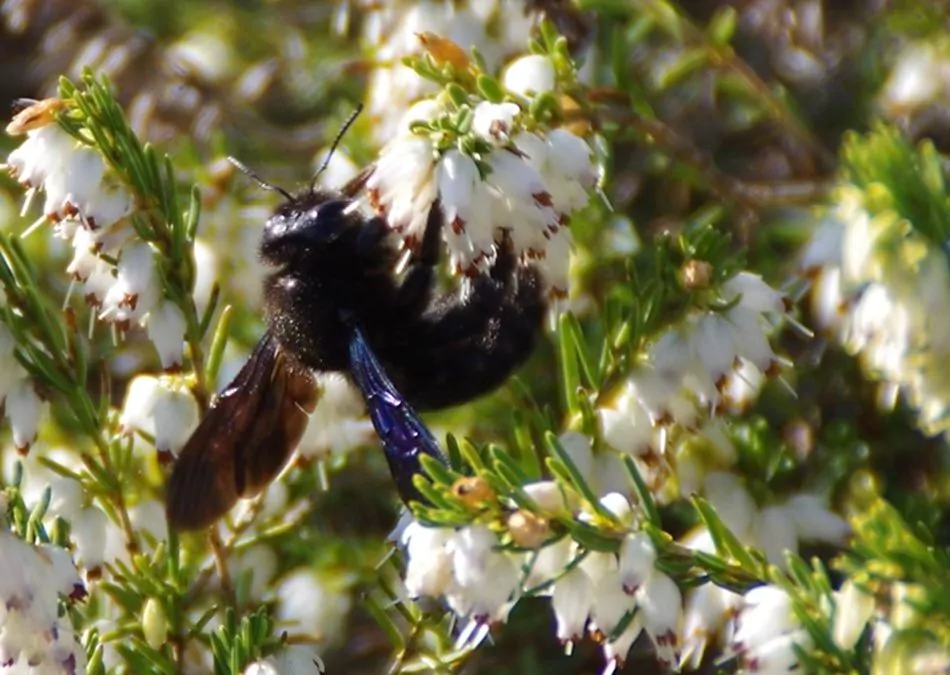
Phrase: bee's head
x=304 y=225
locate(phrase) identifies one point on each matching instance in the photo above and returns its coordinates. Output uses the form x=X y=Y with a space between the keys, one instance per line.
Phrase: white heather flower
x=88 y=532
x=547 y=495
x=767 y=631
x=742 y=387
x=258 y=564
x=470 y=229
x=618 y=505
x=73 y=176
x=706 y=611
x=402 y=185
x=626 y=425
x=266 y=667
x=166 y=329
x=616 y=650
x=24 y=408
x=566 y=162
x=661 y=608
x=571 y=601
x=429 y=568
x=854 y=608
x=732 y=502
x=44 y=151
x=494 y=121
x=814 y=522
x=919 y=76
x=530 y=75
x=637 y=555
x=162 y=408
x=291 y=660
x=776 y=534
x=310 y=608
x=393 y=85
x=32 y=635
x=136 y=287
x=609 y=602
x=485 y=579
x=338 y=424
x=149 y=516
x=524 y=190
x=713 y=340
x=206 y=273
x=754 y=294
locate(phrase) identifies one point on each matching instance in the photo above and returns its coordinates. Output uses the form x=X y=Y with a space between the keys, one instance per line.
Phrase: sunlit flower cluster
x=87 y=205
x=713 y=361
x=22 y=404
x=517 y=184
x=614 y=597
x=33 y=636
x=395 y=28
x=883 y=293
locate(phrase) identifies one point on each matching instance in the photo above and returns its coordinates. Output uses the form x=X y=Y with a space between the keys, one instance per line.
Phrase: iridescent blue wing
x=405 y=438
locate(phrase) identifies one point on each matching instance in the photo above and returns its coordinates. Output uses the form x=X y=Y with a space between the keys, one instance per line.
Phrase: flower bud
x=527 y=529
x=154 y=623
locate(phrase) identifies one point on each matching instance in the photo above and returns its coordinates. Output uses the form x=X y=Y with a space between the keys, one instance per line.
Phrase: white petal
x=166 y=328
x=637 y=555
x=530 y=75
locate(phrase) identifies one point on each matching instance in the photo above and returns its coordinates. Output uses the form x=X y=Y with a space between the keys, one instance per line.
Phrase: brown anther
x=543 y=198
x=695 y=275
x=34 y=116
x=472 y=491
x=131 y=300
x=497 y=129
x=164 y=457
x=458 y=226
x=442 y=50
x=528 y=530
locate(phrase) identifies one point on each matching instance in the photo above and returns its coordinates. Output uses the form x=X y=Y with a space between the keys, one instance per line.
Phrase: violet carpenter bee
x=335 y=303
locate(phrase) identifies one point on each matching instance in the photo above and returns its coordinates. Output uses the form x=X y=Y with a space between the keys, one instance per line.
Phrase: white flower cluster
x=614 y=597
x=774 y=529
x=919 y=77
x=22 y=405
x=396 y=27
x=883 y=293
x=90 y=207
x=525 y=186
x=767 y=632
x=163 y=408
x=714 y=360
x=34 y=639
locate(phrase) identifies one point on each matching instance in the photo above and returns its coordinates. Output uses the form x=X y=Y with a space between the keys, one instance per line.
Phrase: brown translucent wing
x=244 y=439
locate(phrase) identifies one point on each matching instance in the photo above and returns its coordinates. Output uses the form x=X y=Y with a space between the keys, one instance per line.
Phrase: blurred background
x=756 y=127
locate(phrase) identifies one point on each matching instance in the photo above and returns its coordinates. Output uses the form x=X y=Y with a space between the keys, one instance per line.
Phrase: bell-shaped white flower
x=637 y=555
x=162 y=408
x=166 y=329
x=24 y=408
x=136 y=288
x=530 y=75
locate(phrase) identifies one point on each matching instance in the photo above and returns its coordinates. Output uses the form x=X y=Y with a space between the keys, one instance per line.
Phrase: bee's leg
x=415 y=292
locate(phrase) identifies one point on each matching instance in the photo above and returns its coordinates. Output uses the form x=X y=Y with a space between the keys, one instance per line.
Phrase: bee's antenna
x=336 y=142
x=260 y=181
